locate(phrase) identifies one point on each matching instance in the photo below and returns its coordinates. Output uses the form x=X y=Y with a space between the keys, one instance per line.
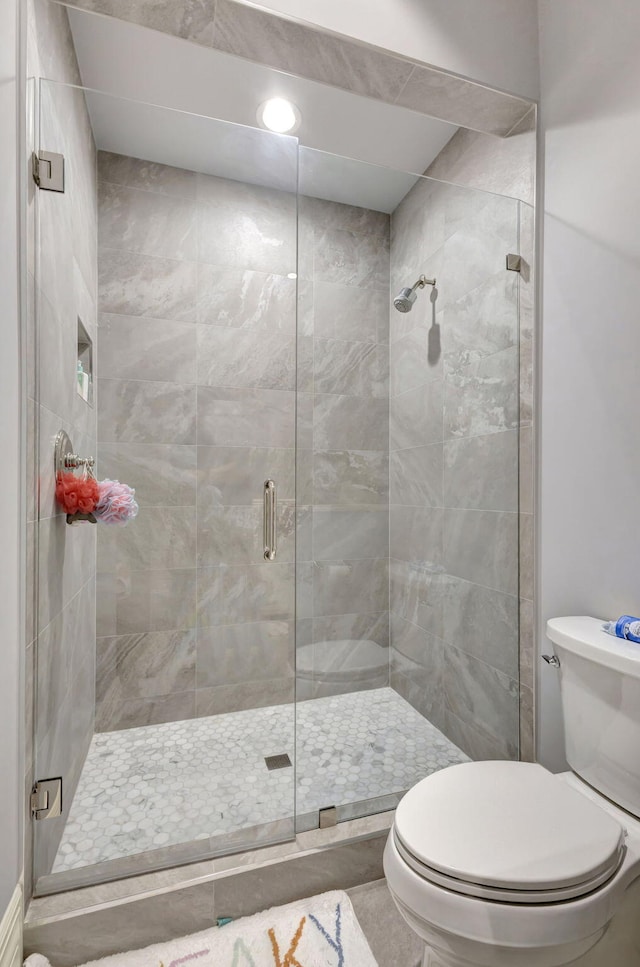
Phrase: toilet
x=504 y=864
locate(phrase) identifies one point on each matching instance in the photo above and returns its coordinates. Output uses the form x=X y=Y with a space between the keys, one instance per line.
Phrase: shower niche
x=247 y=657
x=84 y=368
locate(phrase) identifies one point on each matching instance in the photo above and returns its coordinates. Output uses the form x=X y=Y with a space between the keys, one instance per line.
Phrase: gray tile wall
x=61 y=559
x=306 y=50
x=197 y=393
x=454 y=466
x=343 y=466
x=196 y=410
x=527 y=484
x=508 y=166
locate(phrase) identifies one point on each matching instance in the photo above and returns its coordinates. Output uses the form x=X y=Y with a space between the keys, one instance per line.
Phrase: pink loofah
x=116 y=503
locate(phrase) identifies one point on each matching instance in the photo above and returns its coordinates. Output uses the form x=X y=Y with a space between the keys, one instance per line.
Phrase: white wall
x=10 y=651
x=590 y=393
x=492 y=41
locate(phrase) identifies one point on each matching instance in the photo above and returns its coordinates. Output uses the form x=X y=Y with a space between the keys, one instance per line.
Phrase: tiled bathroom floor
x=146 y=788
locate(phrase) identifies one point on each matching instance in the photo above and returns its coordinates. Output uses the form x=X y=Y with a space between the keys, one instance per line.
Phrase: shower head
x=405 y=298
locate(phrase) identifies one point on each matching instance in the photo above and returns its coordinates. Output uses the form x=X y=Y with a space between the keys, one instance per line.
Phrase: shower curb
x=92 y=922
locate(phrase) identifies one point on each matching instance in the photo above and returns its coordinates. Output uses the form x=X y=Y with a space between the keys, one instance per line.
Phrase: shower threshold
x=149 y=788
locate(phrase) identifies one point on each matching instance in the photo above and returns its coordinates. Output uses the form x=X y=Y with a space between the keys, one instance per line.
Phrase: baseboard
x=11 y=932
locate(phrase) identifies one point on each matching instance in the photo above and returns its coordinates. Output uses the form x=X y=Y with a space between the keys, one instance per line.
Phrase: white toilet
x=503 y=864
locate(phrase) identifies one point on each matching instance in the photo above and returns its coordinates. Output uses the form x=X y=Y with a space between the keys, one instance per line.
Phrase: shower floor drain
x=277 y=761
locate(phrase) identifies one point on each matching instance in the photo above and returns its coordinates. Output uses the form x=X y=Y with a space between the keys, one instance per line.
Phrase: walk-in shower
x=317 y=604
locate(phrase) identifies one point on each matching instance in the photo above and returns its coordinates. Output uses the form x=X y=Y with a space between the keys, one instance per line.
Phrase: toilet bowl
x=504 y=864
x=534 y=879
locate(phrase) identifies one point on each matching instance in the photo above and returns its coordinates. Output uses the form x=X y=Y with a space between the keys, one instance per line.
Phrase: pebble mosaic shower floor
x=147 y=788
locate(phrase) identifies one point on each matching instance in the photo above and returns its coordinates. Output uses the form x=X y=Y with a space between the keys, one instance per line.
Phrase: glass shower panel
x=166 y=324
x=407 y=566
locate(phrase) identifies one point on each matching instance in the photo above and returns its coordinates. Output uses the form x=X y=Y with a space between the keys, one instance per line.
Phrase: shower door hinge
x=48 y=170
x=46 y=799
x=327 y=817
x=514 y=263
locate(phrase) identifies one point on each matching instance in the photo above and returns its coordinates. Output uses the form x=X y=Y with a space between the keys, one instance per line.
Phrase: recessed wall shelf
x=84 y=371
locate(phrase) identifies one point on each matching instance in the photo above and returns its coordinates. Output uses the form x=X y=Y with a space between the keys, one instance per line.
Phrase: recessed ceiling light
x=292 y=275
x=279 y=115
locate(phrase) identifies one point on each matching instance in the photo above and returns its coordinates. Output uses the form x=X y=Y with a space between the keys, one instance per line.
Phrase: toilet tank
x=600 y=692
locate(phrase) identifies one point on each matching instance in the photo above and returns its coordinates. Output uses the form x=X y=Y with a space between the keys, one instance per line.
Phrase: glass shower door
x=407 y=572
x=165 y=654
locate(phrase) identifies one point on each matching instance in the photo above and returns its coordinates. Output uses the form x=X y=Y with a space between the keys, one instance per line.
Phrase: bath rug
x=319 y=932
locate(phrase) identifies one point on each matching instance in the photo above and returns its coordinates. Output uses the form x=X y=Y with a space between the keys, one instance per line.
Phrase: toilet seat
x=505 y=895
x=509 y=832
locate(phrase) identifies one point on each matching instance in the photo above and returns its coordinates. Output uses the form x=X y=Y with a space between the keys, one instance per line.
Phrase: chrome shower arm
x=422 y=281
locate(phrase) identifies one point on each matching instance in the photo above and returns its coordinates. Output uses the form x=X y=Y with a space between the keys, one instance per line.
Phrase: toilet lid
x=507 y=830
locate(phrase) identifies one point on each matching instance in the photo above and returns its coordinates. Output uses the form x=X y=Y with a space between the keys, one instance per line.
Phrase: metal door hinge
x=328 y=817
x=48 y=170
x=46 y=799
x=514 y=263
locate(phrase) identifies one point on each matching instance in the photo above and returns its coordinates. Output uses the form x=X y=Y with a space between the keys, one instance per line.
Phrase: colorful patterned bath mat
x=319 y=932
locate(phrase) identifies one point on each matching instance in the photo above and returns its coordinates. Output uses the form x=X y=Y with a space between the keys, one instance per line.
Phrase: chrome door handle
x=270 y=533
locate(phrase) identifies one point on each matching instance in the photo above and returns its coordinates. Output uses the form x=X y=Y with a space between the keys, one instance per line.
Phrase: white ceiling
x=146 y=66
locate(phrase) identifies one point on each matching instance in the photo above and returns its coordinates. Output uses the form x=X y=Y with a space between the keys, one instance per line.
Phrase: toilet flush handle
x=552 y=660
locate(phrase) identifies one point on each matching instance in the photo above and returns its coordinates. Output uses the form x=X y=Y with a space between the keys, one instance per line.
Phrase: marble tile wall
x=454 y=466
x=61 y=559
x=197 y=407
x=527 y=482
x=343 y=464
x=508 y=166
x=306 y=50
